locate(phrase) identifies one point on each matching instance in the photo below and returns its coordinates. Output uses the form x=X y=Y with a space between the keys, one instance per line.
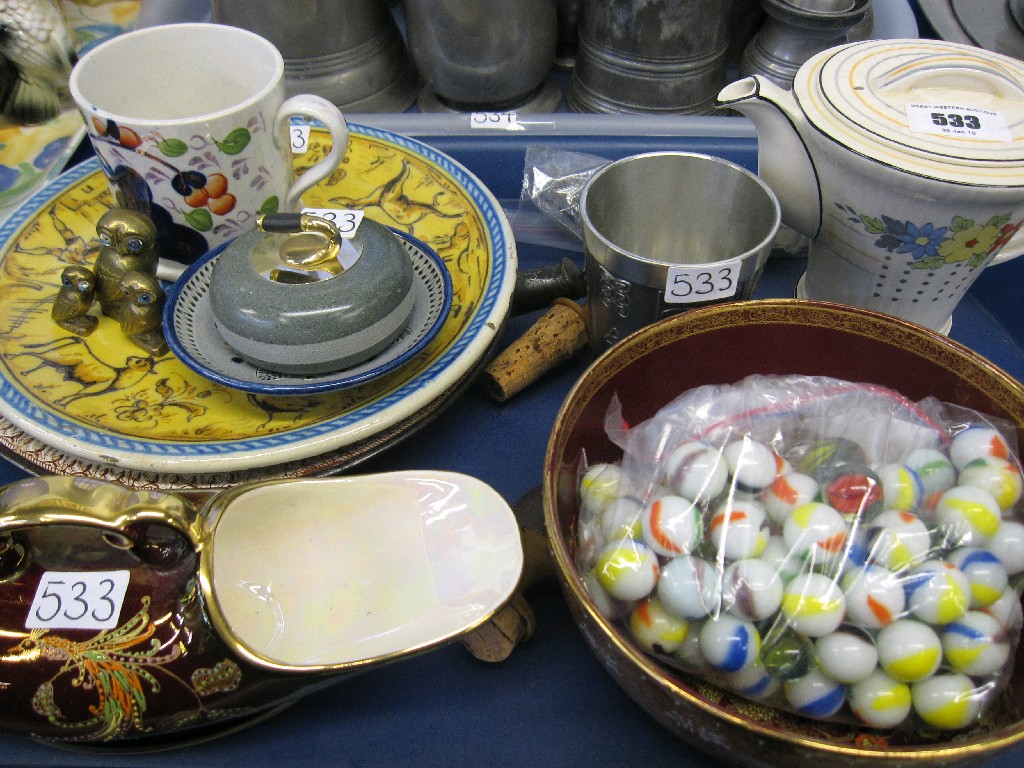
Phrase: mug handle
x=330 y=117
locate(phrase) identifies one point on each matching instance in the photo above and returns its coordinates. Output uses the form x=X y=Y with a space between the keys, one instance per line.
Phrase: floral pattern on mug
x=201 y=179
x=931 y=246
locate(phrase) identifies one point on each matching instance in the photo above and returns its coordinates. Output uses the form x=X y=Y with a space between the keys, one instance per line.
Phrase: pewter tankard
x=479 y=55
x=347 y=51
x=650 y=56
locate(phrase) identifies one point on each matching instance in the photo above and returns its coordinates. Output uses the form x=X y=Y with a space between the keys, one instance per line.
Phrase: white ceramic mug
x=191 y=126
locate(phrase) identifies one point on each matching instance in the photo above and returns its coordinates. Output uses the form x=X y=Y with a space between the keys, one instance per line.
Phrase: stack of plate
x=99 y=406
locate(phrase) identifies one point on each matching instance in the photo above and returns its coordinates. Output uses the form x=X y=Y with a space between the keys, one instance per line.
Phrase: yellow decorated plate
x=120 y=410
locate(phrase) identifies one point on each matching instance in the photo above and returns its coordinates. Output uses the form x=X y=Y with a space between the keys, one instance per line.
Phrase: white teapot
x=903 y=162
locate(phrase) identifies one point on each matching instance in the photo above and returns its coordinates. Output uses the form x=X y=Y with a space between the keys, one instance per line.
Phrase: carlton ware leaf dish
x=140 y=418
x=144 y=619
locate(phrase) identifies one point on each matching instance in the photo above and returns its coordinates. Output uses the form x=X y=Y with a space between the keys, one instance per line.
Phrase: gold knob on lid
x=311 y=245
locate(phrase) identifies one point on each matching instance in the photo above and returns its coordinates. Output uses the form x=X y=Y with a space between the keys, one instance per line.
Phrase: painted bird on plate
x=37 y=52
x=142 y=311
x=75 y=362
x=76 y=297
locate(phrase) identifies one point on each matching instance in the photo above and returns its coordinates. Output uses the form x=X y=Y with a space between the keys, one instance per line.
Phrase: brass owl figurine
x=77 y=294
x=127 y=244
x=142 y=307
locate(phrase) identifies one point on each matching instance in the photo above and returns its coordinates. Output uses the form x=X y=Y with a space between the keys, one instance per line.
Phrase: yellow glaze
x=107 y=384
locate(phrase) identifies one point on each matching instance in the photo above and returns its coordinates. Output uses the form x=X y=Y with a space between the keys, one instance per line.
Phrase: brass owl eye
x=106 y=239
x=67 y=282
x=145 y=298
x=83 y=285
x=134 y=244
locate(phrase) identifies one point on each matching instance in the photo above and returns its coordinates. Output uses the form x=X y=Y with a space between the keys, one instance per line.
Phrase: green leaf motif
x=998 y=221
x=929 y=262
x=234 y=142
x=960 y=224
x=172 y=147
x=270 y=205
x=872 y=225
x=200 y=219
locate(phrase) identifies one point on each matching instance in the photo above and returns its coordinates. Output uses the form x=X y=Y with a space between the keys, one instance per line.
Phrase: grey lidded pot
x=281 y=299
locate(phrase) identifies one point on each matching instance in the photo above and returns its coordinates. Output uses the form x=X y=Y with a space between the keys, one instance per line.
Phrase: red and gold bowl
x=721 y=345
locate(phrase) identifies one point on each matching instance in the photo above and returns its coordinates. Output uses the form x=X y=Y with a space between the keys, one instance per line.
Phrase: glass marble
x=729 y=644
x=937 y=592
x=752 y=465
x=654 y=628
x=967 y=514
x=874 y=596
x=902 y=487
x=976 y=441
x=1008 y=546
x=815 y=695
x=786 y=493
x=751 y=589
x=672 y=525
x=898 y=539
x=880 y=701
x=689 y=587
x=976 y=644
x=627 y=569
x=813 y=604
x=847 y=655
x=816 y=532
x=909 y=650
x=737 y=530
x=950 y=700
x=999 y=477
x=825 y=458
x=785 y=654
x=985 y=573
x=696 y=471
x=599 y=486
x=621 y=518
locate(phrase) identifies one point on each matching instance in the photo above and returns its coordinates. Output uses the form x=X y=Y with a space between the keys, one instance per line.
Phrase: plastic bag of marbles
x=825 y=547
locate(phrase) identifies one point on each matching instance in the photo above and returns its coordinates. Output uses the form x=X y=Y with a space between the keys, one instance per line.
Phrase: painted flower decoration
x=931 y=246
x=972 y=243
x=921 y=241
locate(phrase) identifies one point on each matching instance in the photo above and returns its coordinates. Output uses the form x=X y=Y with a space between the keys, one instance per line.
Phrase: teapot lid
x=929 y=107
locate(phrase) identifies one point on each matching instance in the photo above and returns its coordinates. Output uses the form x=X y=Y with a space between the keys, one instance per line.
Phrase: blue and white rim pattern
x=43 y=423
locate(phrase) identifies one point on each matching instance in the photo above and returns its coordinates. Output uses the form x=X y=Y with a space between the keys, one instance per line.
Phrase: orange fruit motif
x=222 y=205
x=216 y=185
x=197 y=198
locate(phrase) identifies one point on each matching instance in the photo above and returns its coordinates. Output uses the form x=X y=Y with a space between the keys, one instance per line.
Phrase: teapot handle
x=80 y=501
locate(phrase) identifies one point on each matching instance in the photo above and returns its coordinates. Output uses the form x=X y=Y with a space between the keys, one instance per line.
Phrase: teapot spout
x=783 y=159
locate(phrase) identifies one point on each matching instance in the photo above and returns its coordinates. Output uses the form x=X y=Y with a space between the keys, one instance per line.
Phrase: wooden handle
x=559 y=334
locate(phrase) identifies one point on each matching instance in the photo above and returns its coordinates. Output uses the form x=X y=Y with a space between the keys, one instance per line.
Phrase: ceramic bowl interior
x=721 y=345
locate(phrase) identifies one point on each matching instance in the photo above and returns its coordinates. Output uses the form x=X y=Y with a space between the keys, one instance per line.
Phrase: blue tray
x=551 y=703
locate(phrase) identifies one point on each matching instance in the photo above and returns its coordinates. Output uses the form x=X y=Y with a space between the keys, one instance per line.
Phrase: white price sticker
x=687 y=285
x=500 y=121
x=958 y=121
x=298 y=135
x=78 y=600
x=347 y=220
